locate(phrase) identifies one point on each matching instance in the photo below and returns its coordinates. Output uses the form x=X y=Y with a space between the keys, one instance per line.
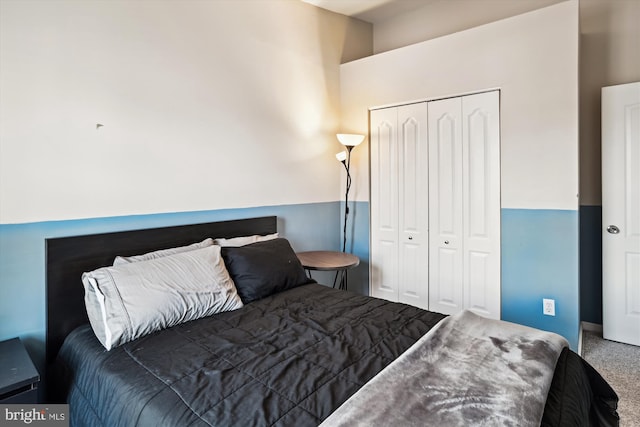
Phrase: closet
x=435 y=204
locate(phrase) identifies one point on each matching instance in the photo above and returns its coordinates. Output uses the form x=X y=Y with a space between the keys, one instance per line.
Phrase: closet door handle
x=613 y=229
x=446 y=242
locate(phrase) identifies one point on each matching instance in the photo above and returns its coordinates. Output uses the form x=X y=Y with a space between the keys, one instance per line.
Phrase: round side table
x=339 y=262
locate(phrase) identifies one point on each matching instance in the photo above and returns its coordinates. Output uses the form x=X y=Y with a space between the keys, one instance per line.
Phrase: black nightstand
x=18 y=377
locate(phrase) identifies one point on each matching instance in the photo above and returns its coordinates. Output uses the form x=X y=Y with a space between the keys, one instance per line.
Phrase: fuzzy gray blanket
x=466 y=371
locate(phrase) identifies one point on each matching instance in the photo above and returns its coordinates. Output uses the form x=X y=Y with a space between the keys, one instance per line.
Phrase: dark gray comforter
x=287 y=360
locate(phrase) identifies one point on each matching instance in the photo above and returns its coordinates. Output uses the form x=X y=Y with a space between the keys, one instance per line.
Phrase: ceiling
x=376 y=11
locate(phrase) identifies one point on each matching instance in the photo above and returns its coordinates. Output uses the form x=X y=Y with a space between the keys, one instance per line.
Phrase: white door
x=464 y=197
x=384 y=204
x=414 y=205
x=481 y=203
x=621 y=213
x=445 y=199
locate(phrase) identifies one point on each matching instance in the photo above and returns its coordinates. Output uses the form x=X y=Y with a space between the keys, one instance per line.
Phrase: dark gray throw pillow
x=264 y=268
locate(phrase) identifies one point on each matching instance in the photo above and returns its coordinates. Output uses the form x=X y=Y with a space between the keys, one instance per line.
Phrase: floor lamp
x=349 y=141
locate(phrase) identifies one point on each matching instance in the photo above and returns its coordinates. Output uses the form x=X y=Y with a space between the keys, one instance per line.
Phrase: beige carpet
x=619 y=364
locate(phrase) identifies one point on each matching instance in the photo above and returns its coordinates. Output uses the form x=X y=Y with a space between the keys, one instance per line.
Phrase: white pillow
x=244 y=240
x=132 y=300
x=119 y=260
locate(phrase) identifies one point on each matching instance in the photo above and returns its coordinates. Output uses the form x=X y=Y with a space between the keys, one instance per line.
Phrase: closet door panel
x=384 y=204
x=384 y=278
x=414 y=205
x=445 y=200
x=481 y=203
x=477 y=296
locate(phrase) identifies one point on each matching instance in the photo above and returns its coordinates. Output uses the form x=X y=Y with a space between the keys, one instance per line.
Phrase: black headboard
x=68 y=257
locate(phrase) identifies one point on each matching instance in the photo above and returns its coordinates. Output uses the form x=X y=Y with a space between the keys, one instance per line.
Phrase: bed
x=290 y=356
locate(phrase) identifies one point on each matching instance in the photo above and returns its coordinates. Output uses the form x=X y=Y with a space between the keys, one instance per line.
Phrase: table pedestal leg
x=342 y=282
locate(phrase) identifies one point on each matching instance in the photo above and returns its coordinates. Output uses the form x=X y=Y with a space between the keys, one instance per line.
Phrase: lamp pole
x=349 y=141
x=347 y=166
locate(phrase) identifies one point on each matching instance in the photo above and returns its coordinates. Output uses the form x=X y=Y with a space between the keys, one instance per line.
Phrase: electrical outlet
x=548 y=307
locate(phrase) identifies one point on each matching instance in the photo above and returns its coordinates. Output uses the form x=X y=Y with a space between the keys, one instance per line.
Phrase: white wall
x=442 y=17
x=205 y=105
x=532 y=58
x=609 y=55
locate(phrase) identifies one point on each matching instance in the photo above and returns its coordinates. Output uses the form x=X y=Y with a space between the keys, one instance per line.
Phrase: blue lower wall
x=540 y=260
x=22 y=254
x=591 y=264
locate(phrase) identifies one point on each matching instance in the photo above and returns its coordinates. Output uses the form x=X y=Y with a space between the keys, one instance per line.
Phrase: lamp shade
x=350 y=139
x=341 y=156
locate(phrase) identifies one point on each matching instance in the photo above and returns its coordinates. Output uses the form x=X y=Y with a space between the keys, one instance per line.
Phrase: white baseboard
x=580 y=339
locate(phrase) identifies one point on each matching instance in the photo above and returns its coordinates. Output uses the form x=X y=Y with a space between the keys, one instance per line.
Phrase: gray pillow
x=128 y=301
x=163 y=252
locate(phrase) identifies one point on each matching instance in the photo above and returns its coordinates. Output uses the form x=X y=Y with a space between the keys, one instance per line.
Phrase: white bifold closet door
x=464 y=200
x=399 y=204
x=384 y=203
